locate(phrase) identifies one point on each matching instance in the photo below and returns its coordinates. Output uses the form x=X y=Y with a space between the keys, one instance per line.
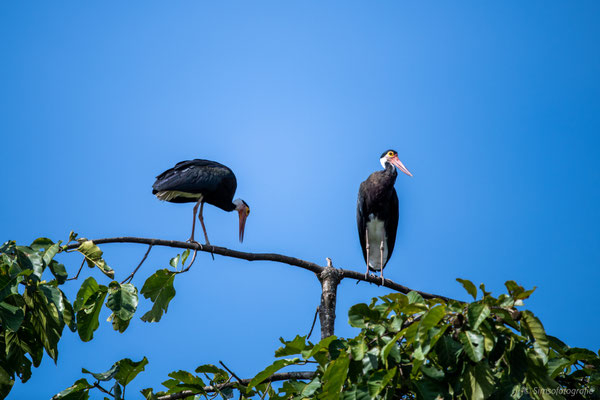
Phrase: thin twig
x=266 y=391
x=317 y=269
x=313 y=323
x=191 y=262
x=230 y=371
x=130 y=277
x=79 y=271
x=97 y=385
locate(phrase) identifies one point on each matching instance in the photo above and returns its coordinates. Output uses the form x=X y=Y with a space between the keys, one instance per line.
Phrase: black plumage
x=215 y=181
x=201 y=181
x=377 y=213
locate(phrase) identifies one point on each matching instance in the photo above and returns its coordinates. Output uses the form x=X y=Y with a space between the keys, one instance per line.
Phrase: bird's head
x=243 y=210
x=391 y=157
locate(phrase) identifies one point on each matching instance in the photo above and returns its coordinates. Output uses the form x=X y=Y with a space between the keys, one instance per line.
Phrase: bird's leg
x=201 y=218
x=381 y=270
x=191 y=239
x=367 y=247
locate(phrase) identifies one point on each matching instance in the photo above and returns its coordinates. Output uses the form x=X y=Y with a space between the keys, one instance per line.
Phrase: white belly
x=377 y=236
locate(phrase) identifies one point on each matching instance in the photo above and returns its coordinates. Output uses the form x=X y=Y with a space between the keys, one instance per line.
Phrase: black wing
x=361 y=218
x=391 y=224
x=216 y=181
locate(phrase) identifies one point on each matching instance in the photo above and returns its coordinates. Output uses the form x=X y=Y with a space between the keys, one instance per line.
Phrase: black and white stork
x=377 y=213
x=201 y=181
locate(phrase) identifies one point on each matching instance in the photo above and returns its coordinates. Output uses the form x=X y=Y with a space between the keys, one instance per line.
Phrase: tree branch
x=283 y=376
x=280 y=258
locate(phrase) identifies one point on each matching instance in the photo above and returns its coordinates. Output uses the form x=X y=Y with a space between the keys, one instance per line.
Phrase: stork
x=201 y=181
x=377 y=213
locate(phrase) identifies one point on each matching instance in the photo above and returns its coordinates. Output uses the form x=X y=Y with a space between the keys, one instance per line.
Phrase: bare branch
x=313 y=323
x=78 y=272
x=317 y=269
x=283 y=376
x=130 y=277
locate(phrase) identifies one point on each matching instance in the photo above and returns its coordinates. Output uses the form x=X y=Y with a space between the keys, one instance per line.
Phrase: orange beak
x=243 y=216
x=395 y=161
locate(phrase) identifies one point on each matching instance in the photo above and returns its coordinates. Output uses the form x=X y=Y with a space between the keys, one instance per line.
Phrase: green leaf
x=93 y=256
x=159 y=289
x=11 y=316
x=379 y=380
x=6 y=383
x=89 y=306
x=296 y=346
x=79 y=391
x=128 y=370
x=335 y=376
x=174 y=261
x=535 y=327
x=469 y=287
x=50 y=253
x=123 y=301
x=59 y=271
x=477 y=313
x=88 y=288
x=104 y=376
x=414 y=298
x=360 y=314
x=30 y=259
x=472 y=344
x=481 y=382
x=270 y=370
x=430 y=319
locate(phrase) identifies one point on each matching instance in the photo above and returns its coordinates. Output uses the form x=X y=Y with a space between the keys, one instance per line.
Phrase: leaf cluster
x=34 y=310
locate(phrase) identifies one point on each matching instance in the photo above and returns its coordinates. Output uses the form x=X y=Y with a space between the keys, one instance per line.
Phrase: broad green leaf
x=59 y=271
x=430 y=319
x=323 y=345
x=79 y=391
x=93 y=257
x=469 y=287
x=11 y=316
x=30 y=259
x=50 y=253
x=296 y=346
x=88 y=288
x=335 y=376
x=129 y=369
x=379 y=380
x=360 y=314
x=481 y=382
x=87 y=317
x=477 y=313
x=536 y=329
x=123 y=301
x=159 y=289
x=472 y=344
x=104 y=376
x=270 y=370
x=415 y=298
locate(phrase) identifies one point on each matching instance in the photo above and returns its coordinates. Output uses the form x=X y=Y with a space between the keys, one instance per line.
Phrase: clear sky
x=493 y=106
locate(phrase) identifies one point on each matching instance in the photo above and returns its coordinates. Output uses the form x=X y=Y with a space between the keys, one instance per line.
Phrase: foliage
x=406 y=348
x=411 y=348
x=34 y=310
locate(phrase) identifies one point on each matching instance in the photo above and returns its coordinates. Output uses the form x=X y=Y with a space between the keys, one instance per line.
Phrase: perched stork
x=201 y=181
x=377 y=213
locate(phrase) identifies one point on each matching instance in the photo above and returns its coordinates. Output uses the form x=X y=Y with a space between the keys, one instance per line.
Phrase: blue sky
x=494 y=107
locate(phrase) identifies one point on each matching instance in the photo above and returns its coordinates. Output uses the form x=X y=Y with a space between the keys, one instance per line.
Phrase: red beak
x=395 y=161
x=243 y=217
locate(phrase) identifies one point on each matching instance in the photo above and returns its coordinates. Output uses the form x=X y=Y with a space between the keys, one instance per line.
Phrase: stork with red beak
x=201 y=181
x=377 y=213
